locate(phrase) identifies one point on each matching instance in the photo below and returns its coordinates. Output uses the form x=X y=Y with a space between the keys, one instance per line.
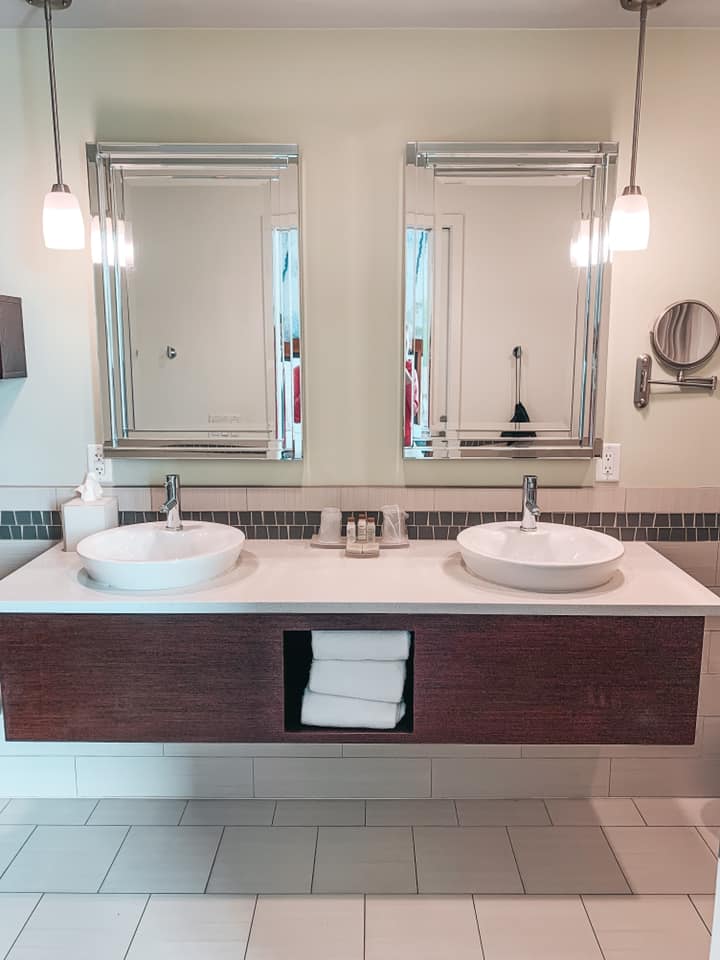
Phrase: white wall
x=352 y=100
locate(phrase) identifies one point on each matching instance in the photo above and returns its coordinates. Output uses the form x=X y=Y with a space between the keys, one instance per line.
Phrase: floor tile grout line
x=214 y=859
x=112 y=862
x=715 y=852
x=87 y=820
x=365 y=803
x=364 y=933
x=697 y=911
x=250 y=927
x=517 y=864
x=274 y=813
x=548 y=814
x=5 y=805
x=184 y=811
x=595 y=933
x=615 y=858
x=633 y=801
x=315 y=853
x=477 y=924
x=457 y=812
x=137 y=926
x=75 y=772
x=610 y=769
x=20 y=849
x=22 y=928
x=415 y=863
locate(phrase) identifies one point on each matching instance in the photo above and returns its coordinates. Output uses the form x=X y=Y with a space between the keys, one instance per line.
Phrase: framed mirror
x=197 y=267
x=686 y=335
x=507 y=275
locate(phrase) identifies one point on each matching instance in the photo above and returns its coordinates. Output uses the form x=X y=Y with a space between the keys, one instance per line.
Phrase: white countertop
x=293 y=577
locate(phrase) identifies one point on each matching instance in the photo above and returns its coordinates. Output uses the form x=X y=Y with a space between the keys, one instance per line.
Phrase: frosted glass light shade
x=126 y=252
x=63 y=227
x=580 y=253
x=630 y=222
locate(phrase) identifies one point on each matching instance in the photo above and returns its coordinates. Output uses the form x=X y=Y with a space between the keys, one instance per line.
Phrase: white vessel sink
x=147 y=556
x=553 y=558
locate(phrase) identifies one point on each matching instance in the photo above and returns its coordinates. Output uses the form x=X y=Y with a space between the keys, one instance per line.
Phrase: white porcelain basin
x=147 y=556
x=553 y=558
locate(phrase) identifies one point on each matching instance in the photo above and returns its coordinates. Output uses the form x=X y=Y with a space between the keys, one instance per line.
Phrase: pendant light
x=630 y=221
x=63 y=227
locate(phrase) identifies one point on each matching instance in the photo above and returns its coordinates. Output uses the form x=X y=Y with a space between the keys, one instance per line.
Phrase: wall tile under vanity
x=430 y=750
x=713 y=651
x=37 y=776
x=164 y=777
x=711 y=736
x=252 y=749
x=662 y=778
x=511 y=779
x=346 y=778
x=709 y=704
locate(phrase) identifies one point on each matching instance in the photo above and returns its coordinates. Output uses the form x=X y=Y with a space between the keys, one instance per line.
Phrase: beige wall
x=351 y=100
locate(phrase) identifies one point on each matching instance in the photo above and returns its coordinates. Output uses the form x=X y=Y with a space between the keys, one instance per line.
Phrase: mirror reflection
x=198 y=255
x=505 y=276
x=686 y=335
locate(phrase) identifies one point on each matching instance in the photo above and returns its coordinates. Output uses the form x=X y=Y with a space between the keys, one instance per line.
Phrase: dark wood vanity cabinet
x=472 y=679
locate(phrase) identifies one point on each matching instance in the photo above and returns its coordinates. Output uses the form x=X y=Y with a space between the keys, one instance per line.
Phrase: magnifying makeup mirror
x=684 y=337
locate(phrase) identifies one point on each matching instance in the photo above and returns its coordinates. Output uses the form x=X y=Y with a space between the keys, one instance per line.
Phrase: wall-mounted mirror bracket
x=643 y=381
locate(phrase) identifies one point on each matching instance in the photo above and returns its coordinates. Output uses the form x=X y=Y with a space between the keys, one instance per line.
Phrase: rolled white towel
x=361 y=679
x=361 y=644
x=319 y=710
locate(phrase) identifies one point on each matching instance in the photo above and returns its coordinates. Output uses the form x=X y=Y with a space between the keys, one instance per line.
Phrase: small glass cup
x=330 y=525
x=394 y=529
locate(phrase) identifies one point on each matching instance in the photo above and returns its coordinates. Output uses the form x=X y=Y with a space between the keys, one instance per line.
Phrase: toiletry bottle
x=362 y=528
x=370 y=530
x=351 y=530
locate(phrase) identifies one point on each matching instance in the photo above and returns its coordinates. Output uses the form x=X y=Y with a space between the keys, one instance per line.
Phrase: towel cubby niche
x=297 y=658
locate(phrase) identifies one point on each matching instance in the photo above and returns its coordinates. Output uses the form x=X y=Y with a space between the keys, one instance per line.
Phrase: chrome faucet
x=171 y=507
x=530 y=509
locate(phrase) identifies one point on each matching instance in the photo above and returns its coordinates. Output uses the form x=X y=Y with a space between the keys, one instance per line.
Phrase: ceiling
x=360 y=13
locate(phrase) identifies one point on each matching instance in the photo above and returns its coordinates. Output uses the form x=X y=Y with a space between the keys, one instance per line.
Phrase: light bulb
x=581 y=254
x=63 y=227
x=630 y=221
x=126 y=252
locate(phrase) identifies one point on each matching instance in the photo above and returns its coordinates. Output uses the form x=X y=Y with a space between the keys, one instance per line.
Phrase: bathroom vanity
x=228 y=660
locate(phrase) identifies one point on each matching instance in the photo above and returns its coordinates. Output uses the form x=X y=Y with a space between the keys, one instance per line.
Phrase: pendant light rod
x=53 y=91
x=638 y=93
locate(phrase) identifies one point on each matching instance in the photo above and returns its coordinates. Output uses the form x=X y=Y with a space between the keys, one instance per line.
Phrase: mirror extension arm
x=643 y=381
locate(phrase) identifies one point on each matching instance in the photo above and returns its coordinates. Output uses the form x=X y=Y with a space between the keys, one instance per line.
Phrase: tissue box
x=81 y=519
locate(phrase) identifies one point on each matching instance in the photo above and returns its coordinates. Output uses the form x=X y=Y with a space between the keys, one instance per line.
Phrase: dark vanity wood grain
x=476 y=679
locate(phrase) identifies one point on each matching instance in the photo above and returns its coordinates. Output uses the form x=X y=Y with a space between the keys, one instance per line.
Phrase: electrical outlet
x=607 y=466
x=97 y=463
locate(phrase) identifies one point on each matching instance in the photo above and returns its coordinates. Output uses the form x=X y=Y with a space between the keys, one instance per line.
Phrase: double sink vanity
x=614 y=658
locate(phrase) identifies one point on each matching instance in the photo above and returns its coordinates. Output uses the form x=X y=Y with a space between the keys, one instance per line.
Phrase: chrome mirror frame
x=104 y=162
x=596 y=160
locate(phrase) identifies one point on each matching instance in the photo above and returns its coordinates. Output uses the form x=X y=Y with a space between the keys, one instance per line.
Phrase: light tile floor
x=349 y=880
